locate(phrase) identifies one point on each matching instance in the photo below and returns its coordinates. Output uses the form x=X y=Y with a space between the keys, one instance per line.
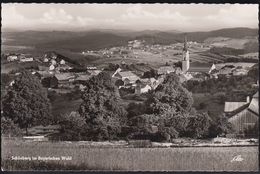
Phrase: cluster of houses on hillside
x=188 y=71
x=19 y=57
x=56 y=74
x=131 y=80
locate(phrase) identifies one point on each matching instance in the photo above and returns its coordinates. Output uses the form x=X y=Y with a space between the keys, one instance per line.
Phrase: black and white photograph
x=129 y=87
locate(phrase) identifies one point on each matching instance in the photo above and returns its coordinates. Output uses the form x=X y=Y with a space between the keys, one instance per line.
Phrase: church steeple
x=185 y=56
x=185 y=47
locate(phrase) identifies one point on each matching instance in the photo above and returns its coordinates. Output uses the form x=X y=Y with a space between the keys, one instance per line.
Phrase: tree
x=26 y=102
x=142 y=126
x=9 y=128
x=156 y=127
x=49 y=82
x=254 y=72
x=168 y=109
x=220 y=127
x=198 y=126
x=135 y=109
x=178 y=64
x=73 y=126
x=170 y=95
x=149 y=74
x=112 y=67
x=202 y=105
x=119 y=82
x=102 y=108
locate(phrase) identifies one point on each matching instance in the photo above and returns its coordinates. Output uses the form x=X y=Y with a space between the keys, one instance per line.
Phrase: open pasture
x=137 y=159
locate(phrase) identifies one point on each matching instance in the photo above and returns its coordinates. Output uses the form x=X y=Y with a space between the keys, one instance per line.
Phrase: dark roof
x=238 y=110
x=199 y=69
x=126 y=73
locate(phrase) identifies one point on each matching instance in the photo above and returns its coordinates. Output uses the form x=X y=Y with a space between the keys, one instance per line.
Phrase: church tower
x=185 y=57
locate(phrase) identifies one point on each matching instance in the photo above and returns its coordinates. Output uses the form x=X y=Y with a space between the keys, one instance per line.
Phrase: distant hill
x=99 y=39
x=171 y=37
x=94 y=40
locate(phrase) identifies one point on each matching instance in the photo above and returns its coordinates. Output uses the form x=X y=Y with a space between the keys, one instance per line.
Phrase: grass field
x=16 y=66
x=141 y=159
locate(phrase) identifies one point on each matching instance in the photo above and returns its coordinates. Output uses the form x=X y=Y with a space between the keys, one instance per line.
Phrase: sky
x=181 y=17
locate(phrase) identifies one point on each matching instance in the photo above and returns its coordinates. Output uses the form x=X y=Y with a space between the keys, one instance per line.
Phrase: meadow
x=83 y=157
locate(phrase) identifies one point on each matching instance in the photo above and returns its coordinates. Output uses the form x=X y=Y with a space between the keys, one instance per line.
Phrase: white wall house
x=12 y=58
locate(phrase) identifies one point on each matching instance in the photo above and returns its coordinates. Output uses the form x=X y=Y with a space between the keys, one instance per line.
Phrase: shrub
x=9 y=128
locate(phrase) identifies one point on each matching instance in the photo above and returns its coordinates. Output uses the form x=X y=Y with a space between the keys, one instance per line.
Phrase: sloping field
x=138 y=159
x=15 y=66
x=250 y=55
x=232 y=43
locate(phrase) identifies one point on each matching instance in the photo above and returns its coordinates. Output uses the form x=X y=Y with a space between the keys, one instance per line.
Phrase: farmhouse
x=11 y=58
x=142 y=88
x=239 y=72
x=62 y=62
x=45 y=59
x=165 y=70
x=227 y=70
x=63 y=67
x=25 y=58
x=94 y=72
x=43 y=68
x=82 y=78
x=51 y=55
x=243 y=116
x=44 y=74
x=64 y=79
x=152 y=82
x=125 y=76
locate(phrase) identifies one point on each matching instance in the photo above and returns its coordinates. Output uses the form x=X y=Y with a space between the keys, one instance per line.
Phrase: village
x=130 y=87
x=58 y=74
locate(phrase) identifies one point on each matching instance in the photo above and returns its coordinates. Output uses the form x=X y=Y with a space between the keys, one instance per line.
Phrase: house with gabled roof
x=125 y=76
x=243 y=115
x=64 y=79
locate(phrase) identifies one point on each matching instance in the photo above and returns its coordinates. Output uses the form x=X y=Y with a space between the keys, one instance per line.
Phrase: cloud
x=84 y=21
x=10 y=16
x=57 y=16
x=236 y=15
x=136 y=14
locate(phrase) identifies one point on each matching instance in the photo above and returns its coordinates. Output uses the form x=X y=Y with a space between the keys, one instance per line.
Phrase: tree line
x=167 y=113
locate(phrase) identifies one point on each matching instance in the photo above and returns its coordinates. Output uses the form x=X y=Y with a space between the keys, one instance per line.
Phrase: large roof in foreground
x=232 y=106
x=254 y=105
